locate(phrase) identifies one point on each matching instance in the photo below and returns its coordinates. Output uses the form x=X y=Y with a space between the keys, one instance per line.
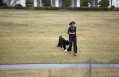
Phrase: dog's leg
x=61 y=45
x=58 y=43
x=64 y=46
x=65 y=50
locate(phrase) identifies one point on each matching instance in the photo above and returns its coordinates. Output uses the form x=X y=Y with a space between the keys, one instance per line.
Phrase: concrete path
x=55 y=66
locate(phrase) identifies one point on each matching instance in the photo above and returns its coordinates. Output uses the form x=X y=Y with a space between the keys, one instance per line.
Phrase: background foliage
x=84 y=2
x=46 y=2
x=0 y=2
x=68 y=3
x=29 y=3
x=104 y=3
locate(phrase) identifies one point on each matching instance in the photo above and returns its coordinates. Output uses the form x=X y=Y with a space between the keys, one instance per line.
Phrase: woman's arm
x=72 y=33
x=69 y=31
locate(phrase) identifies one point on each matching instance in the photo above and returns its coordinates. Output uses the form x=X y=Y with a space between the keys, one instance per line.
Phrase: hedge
x=16 y=7
x=47 y=8
x=58 y=8
x=93 y=9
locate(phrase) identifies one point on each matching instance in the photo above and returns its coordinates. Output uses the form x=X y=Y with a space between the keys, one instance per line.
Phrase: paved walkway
x=54 y=66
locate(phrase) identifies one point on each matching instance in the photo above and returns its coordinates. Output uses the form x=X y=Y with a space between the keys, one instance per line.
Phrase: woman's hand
x=72 y=33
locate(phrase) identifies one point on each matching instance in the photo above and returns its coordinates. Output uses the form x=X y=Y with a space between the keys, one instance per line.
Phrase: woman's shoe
x=74 y=54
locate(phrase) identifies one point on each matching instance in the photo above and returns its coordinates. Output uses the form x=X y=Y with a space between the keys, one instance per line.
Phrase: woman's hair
x=72 y=22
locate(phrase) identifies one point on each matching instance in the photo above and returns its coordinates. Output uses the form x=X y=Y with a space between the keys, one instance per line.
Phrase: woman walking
x=72 y=38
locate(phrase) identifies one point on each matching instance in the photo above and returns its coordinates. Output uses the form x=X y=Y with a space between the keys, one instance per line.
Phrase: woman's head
x=72 y=23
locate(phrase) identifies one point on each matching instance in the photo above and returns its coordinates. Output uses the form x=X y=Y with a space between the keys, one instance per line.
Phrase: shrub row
x=58 y=8
x=47 y=8
x=36 y=8
x=8 y=7
x=93 y=9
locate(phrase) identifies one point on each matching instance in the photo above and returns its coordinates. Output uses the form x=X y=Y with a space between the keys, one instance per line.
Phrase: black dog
x=62 y=42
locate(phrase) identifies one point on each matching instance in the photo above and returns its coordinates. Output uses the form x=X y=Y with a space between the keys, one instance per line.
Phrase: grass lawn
x=30 y=36
x=97 y=72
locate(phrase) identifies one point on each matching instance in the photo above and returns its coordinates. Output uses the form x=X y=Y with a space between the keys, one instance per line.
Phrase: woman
x=72 y=37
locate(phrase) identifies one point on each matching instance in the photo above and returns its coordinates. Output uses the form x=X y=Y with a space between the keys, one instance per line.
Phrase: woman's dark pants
x=72 y=39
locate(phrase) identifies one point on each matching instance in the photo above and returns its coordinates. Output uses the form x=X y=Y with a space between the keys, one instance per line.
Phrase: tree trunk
x=63 y=4
x=14 y=2
x=8 y=1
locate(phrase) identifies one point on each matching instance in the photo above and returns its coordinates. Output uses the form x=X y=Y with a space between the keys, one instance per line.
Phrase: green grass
x=29 y=36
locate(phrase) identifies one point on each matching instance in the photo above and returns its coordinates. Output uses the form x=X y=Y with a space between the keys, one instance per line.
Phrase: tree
x=29 y=3
x=68 y=3
x=0 y=2
x=14 y=3
x=85 y=2
x=104 y=3
x=63 y=4
x=46 y=2
x=8 y=2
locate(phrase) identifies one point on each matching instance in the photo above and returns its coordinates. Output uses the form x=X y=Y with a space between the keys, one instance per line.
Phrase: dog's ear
x=60 y=36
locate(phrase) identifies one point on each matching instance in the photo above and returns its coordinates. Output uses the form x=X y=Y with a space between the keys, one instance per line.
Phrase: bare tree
x=14 y=2
x=8 y=2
